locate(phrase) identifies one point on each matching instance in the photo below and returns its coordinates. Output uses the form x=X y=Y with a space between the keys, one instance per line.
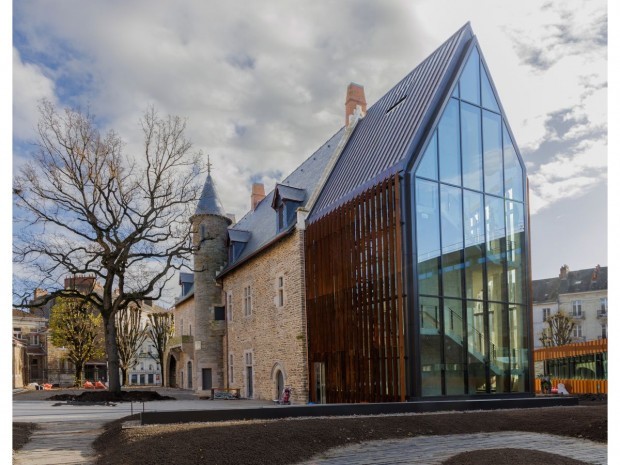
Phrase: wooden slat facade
x=354 y=298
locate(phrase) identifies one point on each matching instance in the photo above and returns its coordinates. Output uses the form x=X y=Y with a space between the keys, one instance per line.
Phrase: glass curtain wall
x=468 y=199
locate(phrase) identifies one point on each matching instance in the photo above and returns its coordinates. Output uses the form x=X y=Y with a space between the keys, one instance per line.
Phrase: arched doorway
x=172 y=372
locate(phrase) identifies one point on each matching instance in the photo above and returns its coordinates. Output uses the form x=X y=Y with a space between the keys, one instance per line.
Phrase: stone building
x=264 y=281
x=30 y=348
x=392 y=265
x=580 y=294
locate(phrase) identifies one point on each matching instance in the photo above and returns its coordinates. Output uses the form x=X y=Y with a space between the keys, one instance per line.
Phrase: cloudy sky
x=263 y=85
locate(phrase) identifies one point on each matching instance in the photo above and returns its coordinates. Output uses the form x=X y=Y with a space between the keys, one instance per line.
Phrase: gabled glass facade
x=470 y=249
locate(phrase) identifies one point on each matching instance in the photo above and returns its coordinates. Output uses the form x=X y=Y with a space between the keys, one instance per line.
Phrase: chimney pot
x=258 y=194
x=355 y=97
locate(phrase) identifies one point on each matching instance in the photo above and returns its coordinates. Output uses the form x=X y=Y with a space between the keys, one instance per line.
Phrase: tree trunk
x=124 y=376
x=78 y=374
x=111 y=349
x=162 y=364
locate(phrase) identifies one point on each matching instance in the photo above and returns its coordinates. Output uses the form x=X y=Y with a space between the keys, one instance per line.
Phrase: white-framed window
x=604 y=331
x=604 y=304
x=576 y=307
x=247 y=300
x=229 y=305
x=577 y=331
x=35 y=340
x=17 y=333
x=231 y=368
x=546 y=313
x=280 y=290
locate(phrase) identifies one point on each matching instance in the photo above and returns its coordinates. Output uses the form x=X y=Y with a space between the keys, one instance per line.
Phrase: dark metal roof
x=589 y=279
x=289 y=193
x=209 y=202
x=383 y=139
x=261 y=223
x=238 y=235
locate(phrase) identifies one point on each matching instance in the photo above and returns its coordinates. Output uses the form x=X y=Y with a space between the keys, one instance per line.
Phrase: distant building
x=30 y=348
x=581 y=294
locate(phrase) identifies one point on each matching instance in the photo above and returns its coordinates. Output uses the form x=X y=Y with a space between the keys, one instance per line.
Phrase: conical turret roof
x=209 y=202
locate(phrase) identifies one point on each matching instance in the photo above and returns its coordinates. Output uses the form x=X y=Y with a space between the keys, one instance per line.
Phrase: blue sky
x=263 y=85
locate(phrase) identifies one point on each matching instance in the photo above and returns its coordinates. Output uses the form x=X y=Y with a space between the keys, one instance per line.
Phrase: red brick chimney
x=258 y=194
x=355 y=97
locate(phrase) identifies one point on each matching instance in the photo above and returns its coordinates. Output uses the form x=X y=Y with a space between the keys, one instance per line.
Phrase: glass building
x=417 y=250
x=469 y=239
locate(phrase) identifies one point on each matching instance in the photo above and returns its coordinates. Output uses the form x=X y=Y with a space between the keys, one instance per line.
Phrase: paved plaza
x=67 y=431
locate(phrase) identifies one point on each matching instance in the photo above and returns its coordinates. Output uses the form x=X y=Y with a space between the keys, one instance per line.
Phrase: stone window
x=604 y=331
x=231 y=369
x=604 y=304
x=577 y=331
x=247 y=300
x=229 y=305
x=17 y=333
x=546 y=313
x=280 y=285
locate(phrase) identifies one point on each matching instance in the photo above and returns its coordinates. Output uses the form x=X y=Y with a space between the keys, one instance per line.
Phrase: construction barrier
x=577 y=386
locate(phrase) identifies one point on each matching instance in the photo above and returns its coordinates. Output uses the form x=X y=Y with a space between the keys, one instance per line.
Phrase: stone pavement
x=433 y=450
x=62 y=443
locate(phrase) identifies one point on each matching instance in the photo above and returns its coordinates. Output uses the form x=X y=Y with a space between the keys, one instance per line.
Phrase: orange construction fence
x=577 y=386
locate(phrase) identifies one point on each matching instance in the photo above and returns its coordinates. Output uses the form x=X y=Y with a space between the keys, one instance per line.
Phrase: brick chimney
x=258 y=194
x=355 y=97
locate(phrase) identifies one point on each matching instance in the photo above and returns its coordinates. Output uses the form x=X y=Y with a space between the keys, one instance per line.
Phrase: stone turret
x=209 y=233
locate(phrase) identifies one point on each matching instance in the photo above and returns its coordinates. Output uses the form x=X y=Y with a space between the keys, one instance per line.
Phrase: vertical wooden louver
x=354 y=296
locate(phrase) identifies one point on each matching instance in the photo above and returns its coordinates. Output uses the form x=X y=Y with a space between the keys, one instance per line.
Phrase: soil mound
x=107 y=396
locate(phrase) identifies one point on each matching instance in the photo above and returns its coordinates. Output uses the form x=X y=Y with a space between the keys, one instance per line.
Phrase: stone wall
x=274 y=335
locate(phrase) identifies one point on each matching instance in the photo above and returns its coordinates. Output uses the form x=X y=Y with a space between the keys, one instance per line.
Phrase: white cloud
x=30 y=84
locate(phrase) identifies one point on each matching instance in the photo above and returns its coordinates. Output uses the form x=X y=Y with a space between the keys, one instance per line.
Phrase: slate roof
x=209 y=202
x=261 y=223
x=547 y=290
x=393 y=126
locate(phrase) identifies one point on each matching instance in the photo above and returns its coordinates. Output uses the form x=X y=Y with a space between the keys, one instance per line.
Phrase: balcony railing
x=601 y=313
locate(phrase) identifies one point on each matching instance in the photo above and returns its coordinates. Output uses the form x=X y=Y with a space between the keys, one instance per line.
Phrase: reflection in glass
x=476 y=347
x=488 y=97
x=471 y=146
x=454 y=351
x=492 y=143
x=474 y=245
x=519 y=364
x=470 y=79
x=427 y=233
x=430 y=346
x=513 y=173
x=449 y=142
x=515 y=243
x=452 y=240
x=495 y=241
x=499 y=348
x=428 y=165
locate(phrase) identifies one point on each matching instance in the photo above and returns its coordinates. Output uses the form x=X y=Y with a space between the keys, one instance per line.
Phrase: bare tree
x=130 y=335
x=76 y=327
x=83 y=207
x=559 y=330
x=160 y=330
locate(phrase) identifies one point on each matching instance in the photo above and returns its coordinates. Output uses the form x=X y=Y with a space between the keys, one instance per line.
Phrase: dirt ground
x=293 y=440
x=21 y=434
